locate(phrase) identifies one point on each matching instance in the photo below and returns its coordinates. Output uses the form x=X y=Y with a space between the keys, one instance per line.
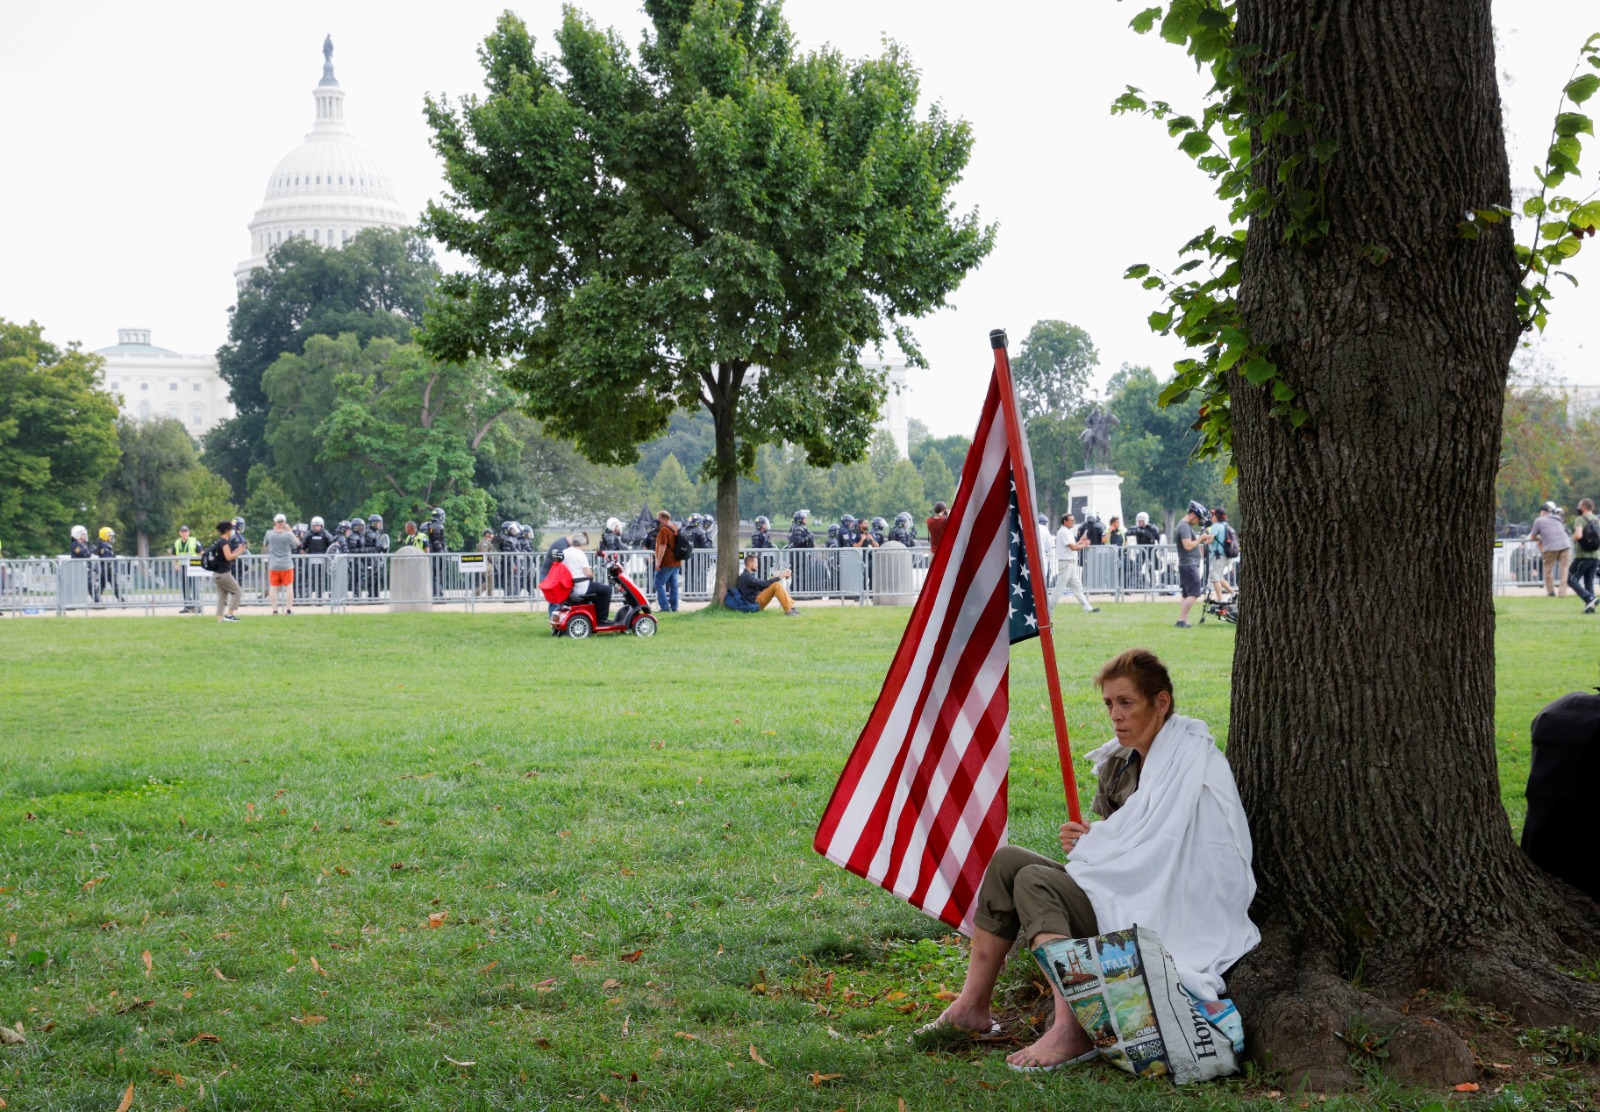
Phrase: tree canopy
x=58 y=439
x=718 y=221
x=374 y=286
x=157 y=474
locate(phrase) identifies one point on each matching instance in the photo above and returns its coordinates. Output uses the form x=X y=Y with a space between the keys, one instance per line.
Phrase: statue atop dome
x=327 y=51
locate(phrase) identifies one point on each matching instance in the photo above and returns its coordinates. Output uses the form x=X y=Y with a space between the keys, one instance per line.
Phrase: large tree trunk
x=724 y=386
x=1362 y=731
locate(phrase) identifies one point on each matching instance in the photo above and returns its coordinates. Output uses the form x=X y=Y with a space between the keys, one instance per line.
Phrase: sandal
x=1087 y=1056
x=971 y=1032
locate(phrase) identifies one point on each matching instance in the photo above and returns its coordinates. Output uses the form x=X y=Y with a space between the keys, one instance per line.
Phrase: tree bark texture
x=725 y=383
x=1362 y=732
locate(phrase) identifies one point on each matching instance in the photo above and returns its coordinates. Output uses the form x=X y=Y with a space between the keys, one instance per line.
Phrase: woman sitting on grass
x=1171 y=853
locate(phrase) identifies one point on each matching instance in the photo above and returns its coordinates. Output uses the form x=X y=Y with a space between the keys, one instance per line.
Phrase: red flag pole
x=1030 y=541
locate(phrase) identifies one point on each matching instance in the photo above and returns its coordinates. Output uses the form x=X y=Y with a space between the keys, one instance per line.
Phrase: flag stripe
x=920 y=806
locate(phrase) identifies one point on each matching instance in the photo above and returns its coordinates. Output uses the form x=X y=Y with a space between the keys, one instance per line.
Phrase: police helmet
x=316 y=522
x=375 y=519
x=800 y=516
x=846 y=521
x=1042 y=520
x=238 y=523
x=80 y=533
x=106 y=532
x=613 y=525
x=438 y=513
x=694 y=519
x=1198 y=509
x=707 y=522
x=508 y=527
x=879 y=525
x=902 y=519
x=527 y=530
x=358 y=525
x=1141 y=518
x=343 y=525
x=299 y=527
x=761 y=520
x=833 y=531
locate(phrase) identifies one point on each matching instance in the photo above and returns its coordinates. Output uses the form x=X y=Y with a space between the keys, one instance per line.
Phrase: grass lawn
x=446 y=861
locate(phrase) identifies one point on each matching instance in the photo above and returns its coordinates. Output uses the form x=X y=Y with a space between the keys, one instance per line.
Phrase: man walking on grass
x=229 y=548
x=1586 y=561
x=1069 y=573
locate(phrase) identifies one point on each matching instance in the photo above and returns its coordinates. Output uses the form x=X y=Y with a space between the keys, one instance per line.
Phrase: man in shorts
x=1191 y=555
x=280 y=544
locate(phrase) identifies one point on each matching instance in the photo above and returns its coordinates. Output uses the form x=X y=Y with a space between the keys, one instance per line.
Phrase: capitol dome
x=325 y=190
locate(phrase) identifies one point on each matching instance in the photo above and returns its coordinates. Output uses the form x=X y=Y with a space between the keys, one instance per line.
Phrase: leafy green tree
x=301 y=397
x=951 y=449
x=1154 y=449
x=671 y=489
x=648 y=231
x=882 y=453
x=568 y=486
x=855 y=489
x=415 y=427
x=916 y=433
x=1052 y=369
x=901 y=490
x=267 y=499
x=690 y=436
x=210 y=500
x=373 y=286
x=58 y=439
x=155 y=476
x=938 y=484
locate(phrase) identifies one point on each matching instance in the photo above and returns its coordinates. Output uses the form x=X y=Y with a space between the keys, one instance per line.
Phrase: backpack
x=211 y=559
x=1589 y=539
x=1230 y=543
x=683 y=547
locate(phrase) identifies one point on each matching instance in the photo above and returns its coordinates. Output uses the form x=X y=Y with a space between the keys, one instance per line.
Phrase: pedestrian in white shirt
x=1069 y=575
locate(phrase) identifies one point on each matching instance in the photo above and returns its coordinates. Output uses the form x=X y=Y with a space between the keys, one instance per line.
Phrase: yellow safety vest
x=190 y=547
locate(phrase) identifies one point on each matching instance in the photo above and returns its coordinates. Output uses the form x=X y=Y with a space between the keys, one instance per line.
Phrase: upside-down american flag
x=921 y=805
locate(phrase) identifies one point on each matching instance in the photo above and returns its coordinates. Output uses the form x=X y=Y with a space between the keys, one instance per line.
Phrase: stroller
x=1225 y=611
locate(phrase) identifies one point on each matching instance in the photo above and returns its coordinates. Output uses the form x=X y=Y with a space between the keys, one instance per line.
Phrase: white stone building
x=895 y=418
x=151 y=382
x=327 y=189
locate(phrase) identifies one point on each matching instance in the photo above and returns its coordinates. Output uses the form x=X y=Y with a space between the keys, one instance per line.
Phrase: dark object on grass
x=1561 y=830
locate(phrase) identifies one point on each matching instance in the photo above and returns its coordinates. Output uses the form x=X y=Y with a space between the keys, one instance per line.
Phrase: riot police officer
x=876 y=538
x=833 y=536
x=611 y=540
x=316 y=543
x=360 y=545
x=106 y=549
x=378 y=545
x=708 y=531
x=433 y=530
x=762 y=537
x=903 y=531
x=799 y=535
x=849 y=535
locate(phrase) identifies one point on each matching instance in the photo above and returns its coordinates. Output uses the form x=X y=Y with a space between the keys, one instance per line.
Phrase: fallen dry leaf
x=686 y=1035
x=454 y=1062
x=611 y=982
x=944 y=996
x=488 y=967
x=631 y=958
x=127 y=1099
x=819 y=1078
x=902 y=1104
x=436 y=919
x=204 y=1036
x=627 y=1019
x=758 y=1059
x=896 y=996
x=321 y=972
x=542 y=1043
x=10 y=1036
x=97 y=880
x=1467 y=1087
x=218 y=973
x=308 y=1020
x=579 y=959
x=149 y=962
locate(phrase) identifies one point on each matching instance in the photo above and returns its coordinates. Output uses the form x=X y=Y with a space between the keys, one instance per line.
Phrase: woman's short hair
x=1143 y=668
x=579 y=538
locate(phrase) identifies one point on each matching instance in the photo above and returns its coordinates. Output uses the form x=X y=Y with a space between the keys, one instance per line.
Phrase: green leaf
x=1574 y=123
x=1160 y=322
x=1581 y=88
x=1282 y=391
x=1533 y=206
x=1259 y=370
x=1138 y=270
x=1174 y=393
x=1145 y=20
x=1195 y=143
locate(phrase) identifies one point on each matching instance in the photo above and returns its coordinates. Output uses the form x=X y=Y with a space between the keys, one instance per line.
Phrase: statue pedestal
x=1100 y=491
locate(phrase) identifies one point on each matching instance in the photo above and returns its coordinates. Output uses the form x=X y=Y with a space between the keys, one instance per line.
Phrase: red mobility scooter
x=578 y=620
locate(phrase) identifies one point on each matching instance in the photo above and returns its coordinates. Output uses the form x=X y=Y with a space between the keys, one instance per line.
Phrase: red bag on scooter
x=557 y=585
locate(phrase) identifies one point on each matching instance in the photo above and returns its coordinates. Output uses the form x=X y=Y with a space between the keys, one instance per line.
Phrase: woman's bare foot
x=1062 y=1043
x=959 y=1016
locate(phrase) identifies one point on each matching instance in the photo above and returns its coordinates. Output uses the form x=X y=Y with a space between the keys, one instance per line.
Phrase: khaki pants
x=1027 y=893
x=228 y=593
x=1557 y=564
x=776 y=591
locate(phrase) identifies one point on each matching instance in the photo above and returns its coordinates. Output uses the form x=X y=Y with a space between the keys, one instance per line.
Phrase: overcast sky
x=138 y=138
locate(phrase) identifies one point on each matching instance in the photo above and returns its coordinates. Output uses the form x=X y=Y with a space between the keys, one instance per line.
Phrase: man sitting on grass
x=751 y=593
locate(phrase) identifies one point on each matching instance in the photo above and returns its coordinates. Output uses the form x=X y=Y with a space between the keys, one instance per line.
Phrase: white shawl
x=1176 y=857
